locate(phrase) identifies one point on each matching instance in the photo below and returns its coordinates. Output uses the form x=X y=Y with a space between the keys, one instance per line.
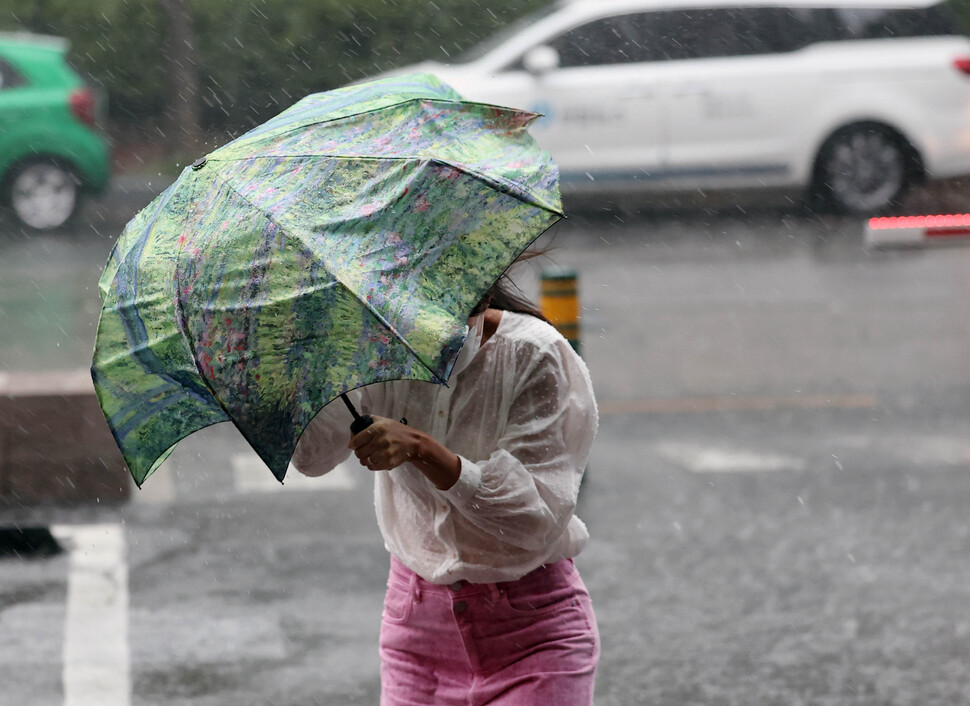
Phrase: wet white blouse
x=521 y=415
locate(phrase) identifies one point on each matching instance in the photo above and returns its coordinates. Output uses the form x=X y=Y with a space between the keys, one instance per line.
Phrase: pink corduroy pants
x=518 y=643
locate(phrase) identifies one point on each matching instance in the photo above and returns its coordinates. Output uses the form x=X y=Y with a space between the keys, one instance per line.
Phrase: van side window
x=706 y=33
x=799 y=27
x=743 y=31
x=612 y=40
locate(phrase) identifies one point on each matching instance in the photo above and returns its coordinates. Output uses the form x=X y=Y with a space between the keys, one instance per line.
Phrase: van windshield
x=484 y=47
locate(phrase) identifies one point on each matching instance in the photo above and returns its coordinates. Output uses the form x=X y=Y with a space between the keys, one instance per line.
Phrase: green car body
x=48 y=117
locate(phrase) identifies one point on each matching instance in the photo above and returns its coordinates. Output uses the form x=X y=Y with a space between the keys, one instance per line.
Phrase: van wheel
x=42 y=194
x=863 y=169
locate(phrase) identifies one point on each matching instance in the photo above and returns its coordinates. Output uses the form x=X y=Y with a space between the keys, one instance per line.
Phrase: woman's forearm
x=438 y=463
x=387 y=444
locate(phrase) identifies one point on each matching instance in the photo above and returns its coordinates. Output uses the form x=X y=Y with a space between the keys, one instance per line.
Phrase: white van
x=853 y=100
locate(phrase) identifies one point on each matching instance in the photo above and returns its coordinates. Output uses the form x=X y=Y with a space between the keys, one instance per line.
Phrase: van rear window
x=890 y=23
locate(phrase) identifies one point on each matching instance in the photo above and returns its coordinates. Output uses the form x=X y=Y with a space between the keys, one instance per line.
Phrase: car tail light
x=84 y=106
x=962 y=64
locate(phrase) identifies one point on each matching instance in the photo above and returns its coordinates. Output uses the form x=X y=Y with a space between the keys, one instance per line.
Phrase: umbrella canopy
x=344 y=242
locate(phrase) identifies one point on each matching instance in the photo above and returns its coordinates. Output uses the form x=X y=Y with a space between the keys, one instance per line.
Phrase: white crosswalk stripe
x=96 y=671
x=706 y=459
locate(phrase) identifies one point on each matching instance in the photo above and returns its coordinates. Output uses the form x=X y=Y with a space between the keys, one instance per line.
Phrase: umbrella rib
x=393 y=331
x=242 y=139
x=363 y=302
x=451 y=101
x=317 y=155
x=504 y=185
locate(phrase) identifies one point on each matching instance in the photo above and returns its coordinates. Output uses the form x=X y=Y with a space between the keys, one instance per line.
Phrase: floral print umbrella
x=341 y=243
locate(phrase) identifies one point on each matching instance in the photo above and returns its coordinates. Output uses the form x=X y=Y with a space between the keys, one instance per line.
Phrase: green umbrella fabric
x=341 y=243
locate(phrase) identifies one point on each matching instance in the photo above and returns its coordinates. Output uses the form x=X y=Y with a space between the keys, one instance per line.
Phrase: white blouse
x=521 y=415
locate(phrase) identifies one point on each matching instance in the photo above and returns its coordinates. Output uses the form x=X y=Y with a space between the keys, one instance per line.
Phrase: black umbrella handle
x=361 y=421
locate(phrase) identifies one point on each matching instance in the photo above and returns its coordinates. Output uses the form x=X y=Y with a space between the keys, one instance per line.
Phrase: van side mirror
x=541 y=60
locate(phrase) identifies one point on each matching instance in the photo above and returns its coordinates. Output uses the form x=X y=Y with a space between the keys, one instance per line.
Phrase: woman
x=476 y=503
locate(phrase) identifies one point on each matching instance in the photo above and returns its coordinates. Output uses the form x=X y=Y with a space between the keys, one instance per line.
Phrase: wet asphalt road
x=777 y=498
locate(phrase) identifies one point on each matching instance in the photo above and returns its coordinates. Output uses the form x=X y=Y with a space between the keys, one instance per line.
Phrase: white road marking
x=251 y=475
x=932 y=450
x=97 y=669
x=705 y=459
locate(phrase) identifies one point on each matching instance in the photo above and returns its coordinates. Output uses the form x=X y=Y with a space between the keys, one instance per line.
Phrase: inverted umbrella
x=341 y=243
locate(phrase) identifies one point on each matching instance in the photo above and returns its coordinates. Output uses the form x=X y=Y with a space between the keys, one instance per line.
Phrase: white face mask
x=473 y=343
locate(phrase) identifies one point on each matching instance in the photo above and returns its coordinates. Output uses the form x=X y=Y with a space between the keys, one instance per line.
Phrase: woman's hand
x=387 y=444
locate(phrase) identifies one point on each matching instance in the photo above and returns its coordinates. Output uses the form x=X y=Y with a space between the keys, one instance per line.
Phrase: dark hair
x=505 y=294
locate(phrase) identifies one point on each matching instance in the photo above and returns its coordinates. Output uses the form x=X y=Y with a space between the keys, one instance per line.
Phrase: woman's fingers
x=378 y=447
x=364 y=437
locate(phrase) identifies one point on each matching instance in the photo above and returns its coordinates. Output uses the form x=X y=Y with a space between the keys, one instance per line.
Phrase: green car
x=51 y=151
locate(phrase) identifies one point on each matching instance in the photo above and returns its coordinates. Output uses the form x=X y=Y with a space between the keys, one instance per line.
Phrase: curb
x=54 y=444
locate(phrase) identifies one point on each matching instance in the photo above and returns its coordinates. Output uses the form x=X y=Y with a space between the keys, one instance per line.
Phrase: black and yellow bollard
x=559 y=302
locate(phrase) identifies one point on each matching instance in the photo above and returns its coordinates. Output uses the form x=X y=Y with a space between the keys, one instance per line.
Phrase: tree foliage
x=255 y=57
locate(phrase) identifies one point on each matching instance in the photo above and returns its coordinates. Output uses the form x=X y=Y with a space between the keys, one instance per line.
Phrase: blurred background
x=778 y=495
x=179 y=74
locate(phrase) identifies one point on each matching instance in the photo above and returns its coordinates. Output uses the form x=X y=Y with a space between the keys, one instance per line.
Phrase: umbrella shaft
x=350 y=405
x=360 y=422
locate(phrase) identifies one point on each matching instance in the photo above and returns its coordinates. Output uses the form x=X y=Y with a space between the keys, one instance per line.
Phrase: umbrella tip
x=198 y=164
